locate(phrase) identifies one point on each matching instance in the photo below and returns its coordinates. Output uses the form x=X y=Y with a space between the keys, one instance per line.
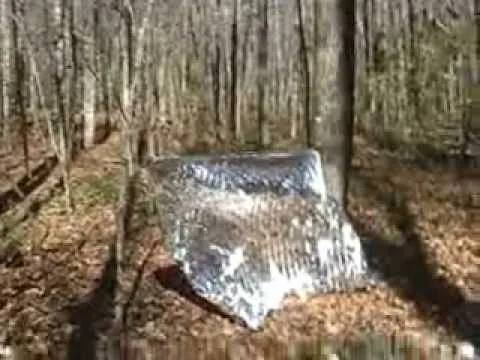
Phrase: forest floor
x=57 y=292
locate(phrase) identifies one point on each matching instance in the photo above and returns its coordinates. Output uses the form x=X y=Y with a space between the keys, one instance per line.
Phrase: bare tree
x=18 y=10
x=366 y=19
x=60 y=57
x=214 y=64
x=234 y=118
x=278 y=66
x=317 y=43
x=347 y=10
x=262 y=70
x=216 y=69
x=74 y=50
x=336 y=132
x=477 y=26
x=413 y=68
x=89 y=81
x=133 y=41
x=5 y=69
x=471 y=123
x=306 y=74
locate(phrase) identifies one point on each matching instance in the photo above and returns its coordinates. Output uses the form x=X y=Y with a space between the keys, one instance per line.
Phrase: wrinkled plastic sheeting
x=249 y=229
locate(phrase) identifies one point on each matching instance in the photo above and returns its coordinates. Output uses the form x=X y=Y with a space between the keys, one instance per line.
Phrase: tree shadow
x=94 y=315
x=94 y=318
x=408 y=270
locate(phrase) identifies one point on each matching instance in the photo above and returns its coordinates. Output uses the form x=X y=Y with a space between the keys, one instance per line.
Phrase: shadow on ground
x=93 y=319
x=408 y=271
x=94 y=315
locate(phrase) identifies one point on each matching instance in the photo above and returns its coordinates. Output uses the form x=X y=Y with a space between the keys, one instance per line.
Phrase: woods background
x=203 y=75
x=252 y=71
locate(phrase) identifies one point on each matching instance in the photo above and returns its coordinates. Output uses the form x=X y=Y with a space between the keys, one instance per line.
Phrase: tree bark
x=18 y=9
x=412 y=69
x=89 y=88
x=262 y=71
x=4 y=70
x=477 y=42
x=336 y=136
x=216 y=70
x=234 y=123
x=60 y=75
x=347 y=85
x=306 y=74
x=131 y=59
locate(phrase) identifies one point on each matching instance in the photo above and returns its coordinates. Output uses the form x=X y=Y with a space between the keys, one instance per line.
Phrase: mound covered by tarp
x=249 y=229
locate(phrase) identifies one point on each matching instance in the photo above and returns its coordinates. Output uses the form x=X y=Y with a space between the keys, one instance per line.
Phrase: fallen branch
x=13 y=185
x=20 y=189
x=21 y=192
x=32 y=202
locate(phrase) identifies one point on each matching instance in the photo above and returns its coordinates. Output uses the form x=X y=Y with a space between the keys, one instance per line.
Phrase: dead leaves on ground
x=64 y=258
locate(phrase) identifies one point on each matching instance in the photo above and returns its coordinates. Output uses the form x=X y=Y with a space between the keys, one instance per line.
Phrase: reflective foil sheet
x=249 y=229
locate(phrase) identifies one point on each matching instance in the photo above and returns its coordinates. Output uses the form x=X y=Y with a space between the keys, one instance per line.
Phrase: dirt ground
x=57 y=297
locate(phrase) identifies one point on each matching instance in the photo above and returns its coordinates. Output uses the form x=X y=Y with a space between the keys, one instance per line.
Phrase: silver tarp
x=249 y=229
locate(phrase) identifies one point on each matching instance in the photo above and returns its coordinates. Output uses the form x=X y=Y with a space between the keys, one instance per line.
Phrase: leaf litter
x=64 y=257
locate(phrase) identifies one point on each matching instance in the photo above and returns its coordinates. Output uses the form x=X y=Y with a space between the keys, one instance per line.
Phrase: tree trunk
x=216 y=70
x=60 y=74
x=89 y=93
x=315 y=93
x=234 y=123
x=347 y=87
x=278 y=89
x=4 y=71
x=306 y=74
x=18 y=9
x=131 y=59
x=105 y=48
x=126 y=56
x=337 y=135
x=477 y=43
x=472 y=123
x=366 y=19
x=73 y=126
x=414 y=89
x=262 y=71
